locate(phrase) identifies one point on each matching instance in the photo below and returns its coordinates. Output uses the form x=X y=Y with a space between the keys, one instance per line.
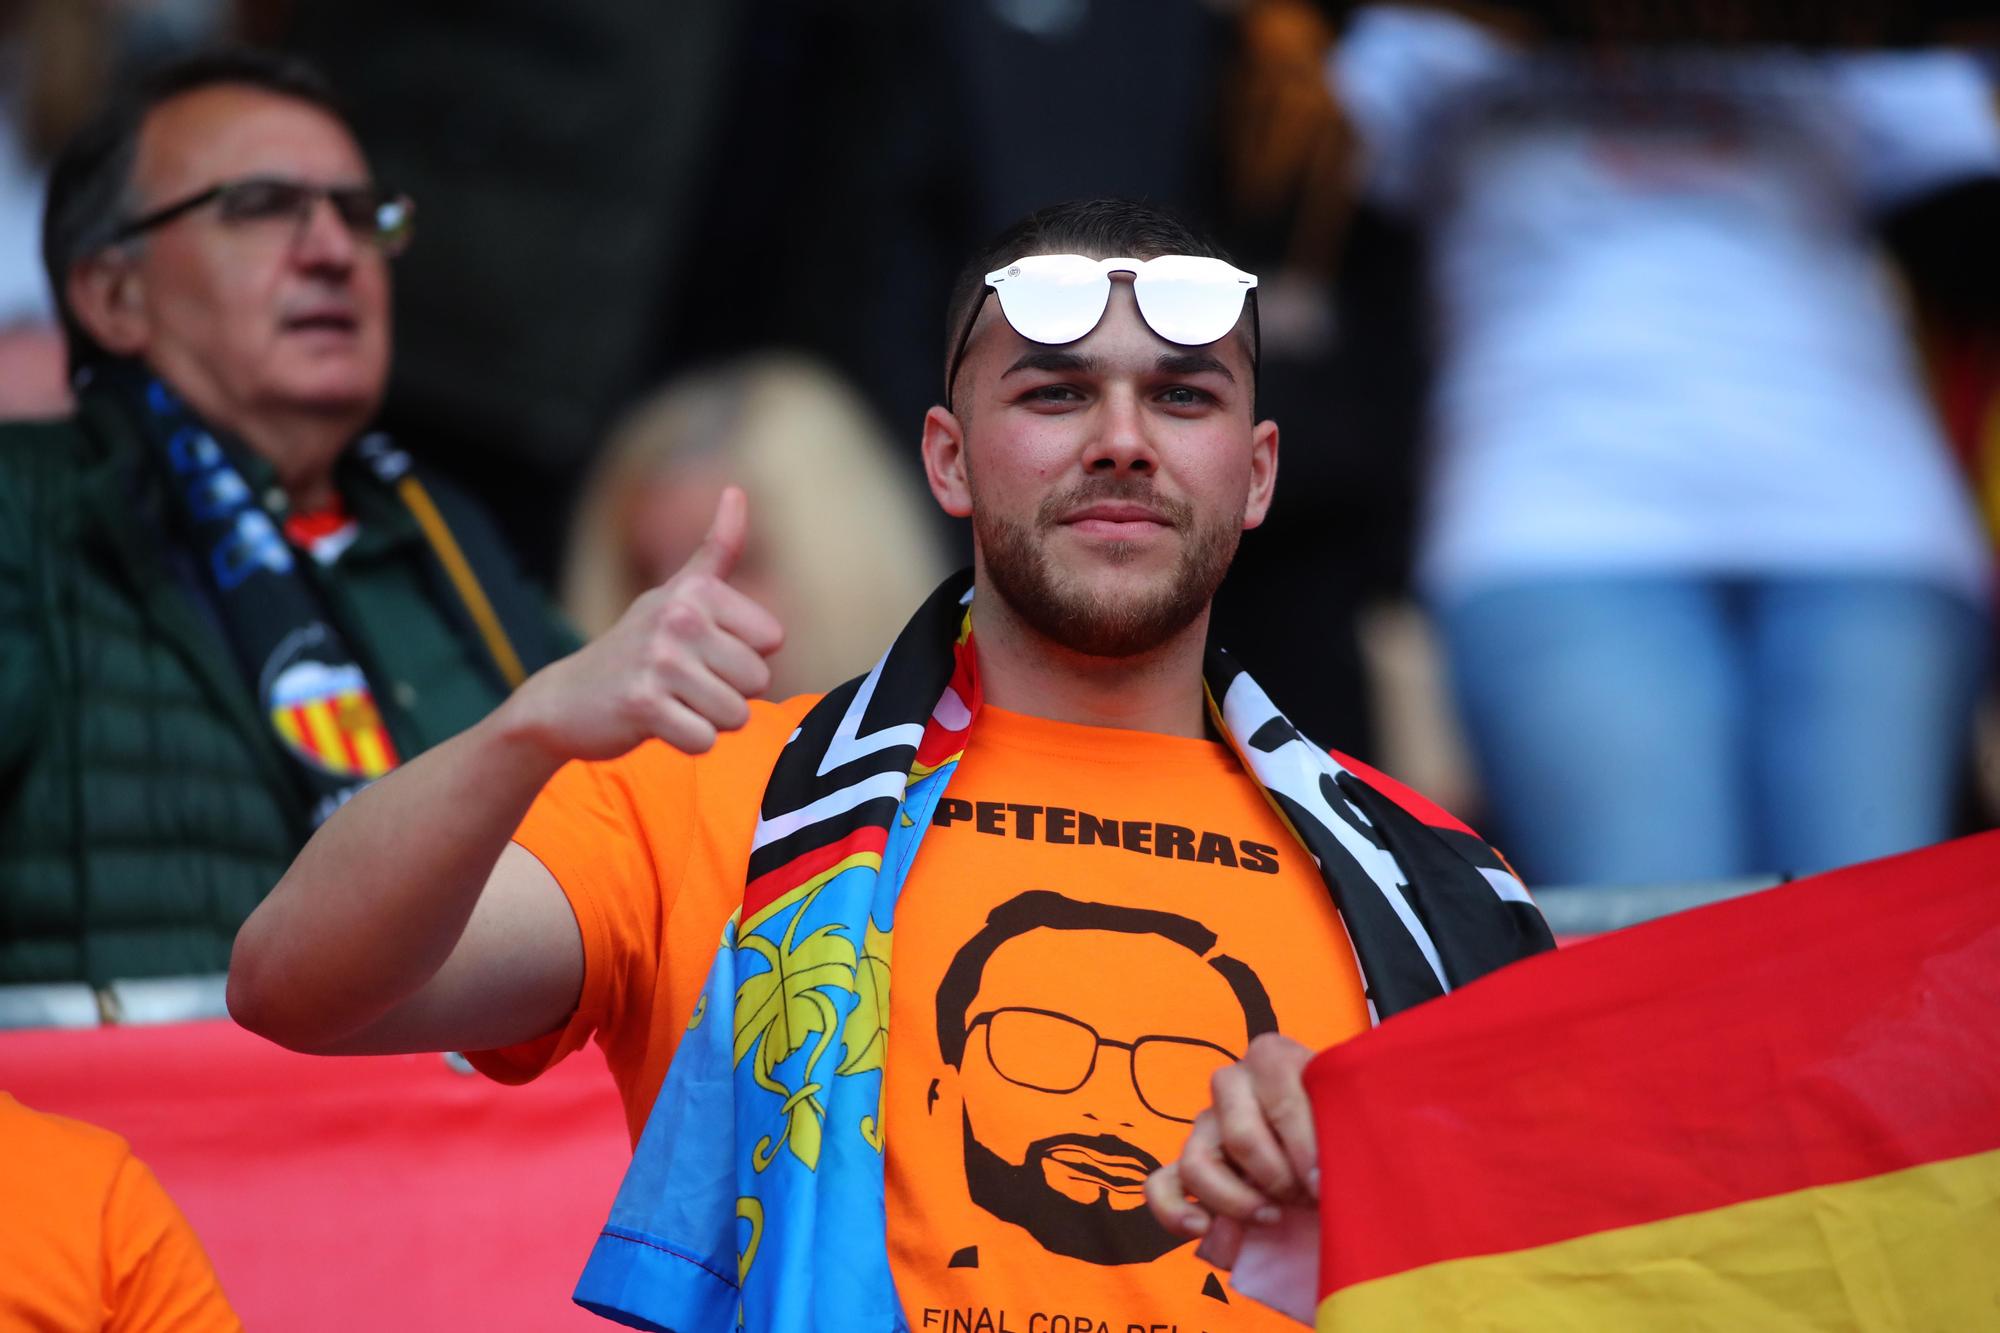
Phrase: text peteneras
x=1058 y=824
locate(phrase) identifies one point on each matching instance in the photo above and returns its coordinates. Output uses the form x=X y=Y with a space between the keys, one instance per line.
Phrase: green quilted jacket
x=145 y=804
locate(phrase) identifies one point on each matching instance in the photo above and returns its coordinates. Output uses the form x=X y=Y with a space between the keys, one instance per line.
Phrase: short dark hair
x=1098 y=228
x=1040 y=909
x=89 y=183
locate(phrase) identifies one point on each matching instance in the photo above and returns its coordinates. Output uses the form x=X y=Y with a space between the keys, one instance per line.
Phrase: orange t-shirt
x=89 y=1240
x=1095 y=921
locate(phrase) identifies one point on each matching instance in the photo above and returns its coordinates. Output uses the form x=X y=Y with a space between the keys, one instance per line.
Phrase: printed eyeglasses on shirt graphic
x=1051 y=1052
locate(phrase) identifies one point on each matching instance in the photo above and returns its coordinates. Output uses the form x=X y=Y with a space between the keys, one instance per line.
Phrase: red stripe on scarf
x=760 y=892
x=939 y=743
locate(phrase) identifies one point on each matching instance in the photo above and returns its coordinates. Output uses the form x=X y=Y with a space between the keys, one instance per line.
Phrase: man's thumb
x=723 y=546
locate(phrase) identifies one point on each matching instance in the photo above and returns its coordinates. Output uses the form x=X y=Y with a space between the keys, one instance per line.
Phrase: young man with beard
x=1046 y=728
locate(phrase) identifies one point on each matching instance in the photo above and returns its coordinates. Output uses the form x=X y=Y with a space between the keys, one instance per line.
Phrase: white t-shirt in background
x=1669 y=343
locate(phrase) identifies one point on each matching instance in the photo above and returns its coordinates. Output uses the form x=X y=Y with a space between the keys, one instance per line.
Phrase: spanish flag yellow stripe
x=1910 y=1249
x=288 y=726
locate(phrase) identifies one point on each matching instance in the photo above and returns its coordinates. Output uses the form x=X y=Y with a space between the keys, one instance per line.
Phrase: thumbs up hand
x=681 y=664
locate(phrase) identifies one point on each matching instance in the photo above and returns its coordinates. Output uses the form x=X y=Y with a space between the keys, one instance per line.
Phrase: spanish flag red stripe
x=1838 y=1034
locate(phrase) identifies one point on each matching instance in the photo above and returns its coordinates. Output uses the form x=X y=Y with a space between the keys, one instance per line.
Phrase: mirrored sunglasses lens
x=1053 y=302
x=1190 y=307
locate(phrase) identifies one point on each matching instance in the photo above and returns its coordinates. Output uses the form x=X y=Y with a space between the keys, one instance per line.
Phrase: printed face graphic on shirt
x=1084 y=1036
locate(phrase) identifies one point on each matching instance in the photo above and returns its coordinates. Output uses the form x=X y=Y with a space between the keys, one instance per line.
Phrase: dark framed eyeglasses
x=375 y=215
x=1051 y=1052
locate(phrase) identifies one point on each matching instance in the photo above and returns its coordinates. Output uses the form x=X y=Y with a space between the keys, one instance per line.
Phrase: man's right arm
x=409 y=921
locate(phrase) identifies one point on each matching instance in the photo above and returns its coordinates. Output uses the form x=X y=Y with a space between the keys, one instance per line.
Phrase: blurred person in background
x=811 y=458
x=88 y=1239
x=223 y=608
x=1713 y=595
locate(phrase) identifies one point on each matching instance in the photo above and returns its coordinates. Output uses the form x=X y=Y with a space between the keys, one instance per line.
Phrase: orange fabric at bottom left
x=89 y=1240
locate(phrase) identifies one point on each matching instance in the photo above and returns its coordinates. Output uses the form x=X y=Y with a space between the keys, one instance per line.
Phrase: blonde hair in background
x=838 y=534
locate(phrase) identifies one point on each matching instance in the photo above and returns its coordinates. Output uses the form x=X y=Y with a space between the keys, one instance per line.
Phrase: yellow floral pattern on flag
x=865 y=1035
x=782 y=1008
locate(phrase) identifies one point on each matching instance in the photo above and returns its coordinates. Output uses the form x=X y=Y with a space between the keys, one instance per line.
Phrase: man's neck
x=1024 y=672
x=302 y=450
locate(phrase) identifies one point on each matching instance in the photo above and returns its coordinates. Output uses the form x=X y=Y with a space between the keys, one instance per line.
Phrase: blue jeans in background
x=1635 y=729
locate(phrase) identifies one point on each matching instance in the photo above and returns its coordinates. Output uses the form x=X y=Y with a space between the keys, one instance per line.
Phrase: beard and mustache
x=1094 y=1232
x=1056 y=605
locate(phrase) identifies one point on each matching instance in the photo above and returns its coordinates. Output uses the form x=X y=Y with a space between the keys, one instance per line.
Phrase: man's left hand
x=1247 y=1156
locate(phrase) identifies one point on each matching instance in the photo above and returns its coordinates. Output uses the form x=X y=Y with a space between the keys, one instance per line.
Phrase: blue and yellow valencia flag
x=1780 y=1112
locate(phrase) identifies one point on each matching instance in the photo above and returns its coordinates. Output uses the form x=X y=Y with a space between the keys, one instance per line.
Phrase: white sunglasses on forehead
x=1186 y=299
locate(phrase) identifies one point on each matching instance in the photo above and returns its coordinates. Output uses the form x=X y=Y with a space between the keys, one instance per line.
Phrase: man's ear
x=107 y=295
x=943 y=1096
x=1263 y=473
x=944 y=462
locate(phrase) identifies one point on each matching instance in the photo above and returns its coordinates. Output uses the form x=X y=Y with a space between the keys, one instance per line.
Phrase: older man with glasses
x=224 y=607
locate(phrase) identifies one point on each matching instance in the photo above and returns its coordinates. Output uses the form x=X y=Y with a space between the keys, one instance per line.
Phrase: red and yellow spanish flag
x=1777 y=1112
